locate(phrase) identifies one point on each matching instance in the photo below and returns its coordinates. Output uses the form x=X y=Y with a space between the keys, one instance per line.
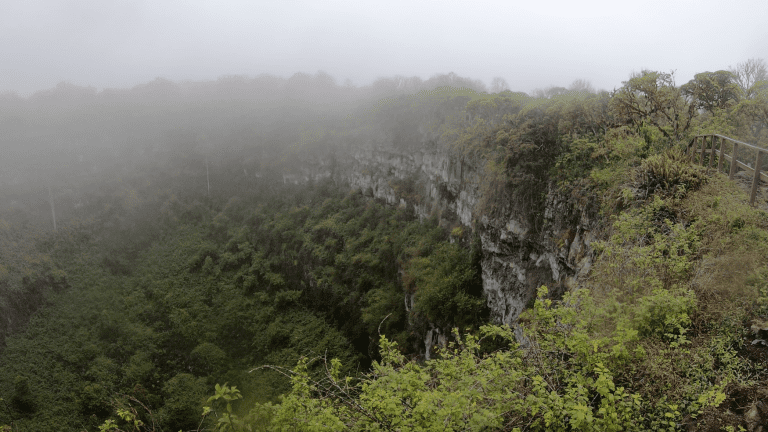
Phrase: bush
x=207 y=358
x=22 y=399
x=668 y=173
x=184 y=397
x=665 y=314
x=759 y=281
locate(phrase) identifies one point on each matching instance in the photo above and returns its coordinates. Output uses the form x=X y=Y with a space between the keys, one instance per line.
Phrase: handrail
x=757 y=172
x=754 y=147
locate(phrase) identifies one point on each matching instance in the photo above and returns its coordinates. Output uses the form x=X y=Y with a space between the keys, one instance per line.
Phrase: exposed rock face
x=517 y=257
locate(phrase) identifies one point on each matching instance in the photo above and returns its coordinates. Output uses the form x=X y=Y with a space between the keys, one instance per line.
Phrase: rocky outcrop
x=520 y=253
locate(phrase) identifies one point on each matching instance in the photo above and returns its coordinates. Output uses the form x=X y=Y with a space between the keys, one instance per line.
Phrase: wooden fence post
x=712 y=153
x=703 y=147
x=692 y=149
x=733 y=161
x=756 y=178
x=720 y=155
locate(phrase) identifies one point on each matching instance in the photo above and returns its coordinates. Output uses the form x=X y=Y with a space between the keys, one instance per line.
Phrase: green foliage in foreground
x=563 y=378
x=654 y=343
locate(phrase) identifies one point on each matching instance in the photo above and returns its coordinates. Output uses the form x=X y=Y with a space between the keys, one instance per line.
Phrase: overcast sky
x=532 y=44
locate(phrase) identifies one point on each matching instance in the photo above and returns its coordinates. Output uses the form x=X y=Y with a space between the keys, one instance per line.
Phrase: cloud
x=532 y=44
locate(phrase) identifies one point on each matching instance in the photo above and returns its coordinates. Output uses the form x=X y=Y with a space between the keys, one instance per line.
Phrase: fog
x=89 y=88
x=76 y=142
x=122 y=43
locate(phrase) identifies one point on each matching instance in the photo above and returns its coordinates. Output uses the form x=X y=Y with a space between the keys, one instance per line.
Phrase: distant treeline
x=72 y=130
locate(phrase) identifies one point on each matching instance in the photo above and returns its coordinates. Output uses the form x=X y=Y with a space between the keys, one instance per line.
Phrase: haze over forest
x=359 y=216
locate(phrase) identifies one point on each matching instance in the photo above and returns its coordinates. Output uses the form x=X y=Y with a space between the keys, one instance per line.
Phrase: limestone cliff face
x=518 y=257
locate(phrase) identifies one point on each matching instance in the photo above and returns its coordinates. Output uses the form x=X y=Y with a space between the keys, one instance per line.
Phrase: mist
x=120 y=44
x=194 y=193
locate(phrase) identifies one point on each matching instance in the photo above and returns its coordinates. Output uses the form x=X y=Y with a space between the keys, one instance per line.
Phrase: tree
x=498 y=85
x=448 y=291
x=756 y=109
x=581 y=86
x=549 y=92
x=582 y=113
x=452 y=80
x=747 y=74
x=712 y=90
x=22 y=399
x=652 y=98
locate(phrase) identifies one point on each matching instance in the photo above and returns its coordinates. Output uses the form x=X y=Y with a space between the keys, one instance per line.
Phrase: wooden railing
x=722 y=155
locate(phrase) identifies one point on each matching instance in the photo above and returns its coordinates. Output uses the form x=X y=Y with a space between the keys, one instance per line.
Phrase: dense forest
x=191 y=256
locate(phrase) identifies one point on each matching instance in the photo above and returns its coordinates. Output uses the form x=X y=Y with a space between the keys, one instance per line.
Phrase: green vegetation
x=650 y=343
x=259 y=282
x=264 y=305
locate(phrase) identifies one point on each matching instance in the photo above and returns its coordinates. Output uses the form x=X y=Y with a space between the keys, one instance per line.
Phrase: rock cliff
x=520 y=253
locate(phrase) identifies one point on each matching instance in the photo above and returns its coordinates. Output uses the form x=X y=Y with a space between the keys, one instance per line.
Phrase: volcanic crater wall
x=517 y=257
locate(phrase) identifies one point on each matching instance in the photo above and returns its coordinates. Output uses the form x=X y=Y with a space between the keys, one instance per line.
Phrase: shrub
x=665 y=314
x=759 y=281
x=668 y=173
x=207 y=358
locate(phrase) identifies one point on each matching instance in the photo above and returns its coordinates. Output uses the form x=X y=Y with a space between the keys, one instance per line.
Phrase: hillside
x=428 y=257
